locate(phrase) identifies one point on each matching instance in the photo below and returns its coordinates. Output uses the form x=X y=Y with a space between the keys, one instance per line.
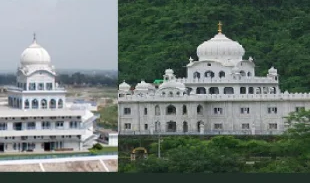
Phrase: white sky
x=78 y=34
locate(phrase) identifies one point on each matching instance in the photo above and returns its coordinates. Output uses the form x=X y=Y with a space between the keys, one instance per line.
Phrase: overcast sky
x=78 y=34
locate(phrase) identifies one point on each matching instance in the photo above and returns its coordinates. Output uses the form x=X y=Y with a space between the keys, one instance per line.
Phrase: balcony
x=45 y=132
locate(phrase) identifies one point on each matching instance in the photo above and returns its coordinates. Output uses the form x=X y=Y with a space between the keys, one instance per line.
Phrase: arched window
x=35 y=104
x=171 y=110
x=20 y=103
x=272 y=90
x=10 y=101
x=249 y=74
x=157 y=126
x=200 y=110
x=170 y=94
x=185 y=127
x=43 y=104
x=52 y=104
x=14 y=102
x=250 y=90
x=228 y=90
x=199 y=123
x=26 y=104
x=265 y=90
x=242 y=90
x=221 y=74
x=201 y=90
x=184 y=109
x=258 y=90
x=60 y=103
x=242 y=73
x=157 y=110
x=189 y=90
x=171 y=126
x=213 y=90
x=209 y=74
x=196 y=75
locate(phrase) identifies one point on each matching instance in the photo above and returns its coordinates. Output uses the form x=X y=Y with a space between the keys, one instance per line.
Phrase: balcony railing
x=211 y=132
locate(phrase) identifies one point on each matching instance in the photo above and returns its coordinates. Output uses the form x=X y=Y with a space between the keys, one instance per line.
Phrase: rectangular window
x=218 y=126
x=272 y=110
x=218 y=111
x=273 y=126
x=128 y=126
x=245 y=126
x=32 y=86
x=17 y=126
x=41 y=86
x=46 y=125
x=146 y=126
x=145 y=111
x=48 y=86
x=245 y=110
x=59 y=124
x=31 y=126
x=297 y=109
x=127 y=111
x=3 y=126
x=73 y=124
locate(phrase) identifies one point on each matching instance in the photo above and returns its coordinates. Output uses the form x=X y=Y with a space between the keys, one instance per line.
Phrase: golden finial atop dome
x=219 y=27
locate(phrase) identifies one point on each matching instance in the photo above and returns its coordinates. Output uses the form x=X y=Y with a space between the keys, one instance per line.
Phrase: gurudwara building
x=35 y=118
x=220 y=95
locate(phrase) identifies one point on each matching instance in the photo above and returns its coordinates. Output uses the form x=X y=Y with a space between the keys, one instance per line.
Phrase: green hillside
x=156 y=35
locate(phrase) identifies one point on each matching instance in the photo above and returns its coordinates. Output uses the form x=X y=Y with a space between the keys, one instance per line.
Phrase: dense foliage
x=286 y=153
x=156 y=35
x=108 y=117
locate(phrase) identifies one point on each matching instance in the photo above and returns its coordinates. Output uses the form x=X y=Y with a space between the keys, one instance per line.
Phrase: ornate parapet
x=219 y=97
x=252 y=80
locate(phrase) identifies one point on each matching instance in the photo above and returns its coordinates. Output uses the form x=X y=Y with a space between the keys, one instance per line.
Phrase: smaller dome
x=124 y=86
x=169 y=72
x=273 y=71
x=172 y=84
x=143 y=86
x=35 y=54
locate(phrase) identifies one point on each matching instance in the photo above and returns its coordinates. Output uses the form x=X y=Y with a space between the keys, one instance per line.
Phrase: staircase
x=89 y=122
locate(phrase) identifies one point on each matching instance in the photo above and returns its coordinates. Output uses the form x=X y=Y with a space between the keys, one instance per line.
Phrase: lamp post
x=159 y=146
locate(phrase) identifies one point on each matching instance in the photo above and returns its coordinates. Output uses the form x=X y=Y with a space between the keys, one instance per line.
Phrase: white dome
x=172 y=84
x=273 y=71
x=220 y=48
x=35 y=54
x=143 y=86
x=169 y=72
x=124 y=86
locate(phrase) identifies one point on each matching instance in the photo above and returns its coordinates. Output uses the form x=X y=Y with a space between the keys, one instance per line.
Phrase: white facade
x=221 y=95
x=36 y=118
x=113 y=139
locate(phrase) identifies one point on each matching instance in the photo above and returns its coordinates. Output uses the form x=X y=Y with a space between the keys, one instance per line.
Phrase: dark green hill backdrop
x=160 y=34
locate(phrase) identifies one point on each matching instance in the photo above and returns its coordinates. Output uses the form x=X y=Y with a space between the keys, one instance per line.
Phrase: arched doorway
x=139 y=152
x=201 y=90
x=185 y=127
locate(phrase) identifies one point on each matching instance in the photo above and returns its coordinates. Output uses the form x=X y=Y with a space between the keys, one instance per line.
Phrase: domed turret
x=35 y=54
x=273 y=71
x=172 y=84
x=220 y=48
x=124 y=86
x=143 y=86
